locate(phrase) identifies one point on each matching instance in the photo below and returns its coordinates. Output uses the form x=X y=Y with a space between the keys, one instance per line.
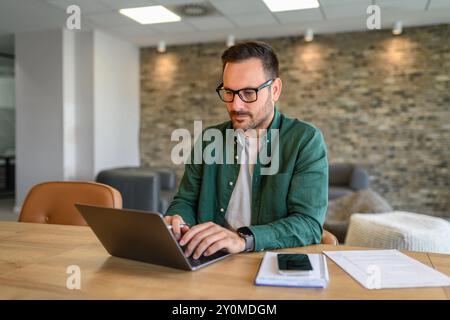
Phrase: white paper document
x=268 y=274
x=381 y=269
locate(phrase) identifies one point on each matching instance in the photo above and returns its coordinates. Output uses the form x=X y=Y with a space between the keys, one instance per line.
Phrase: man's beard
x=252 y=123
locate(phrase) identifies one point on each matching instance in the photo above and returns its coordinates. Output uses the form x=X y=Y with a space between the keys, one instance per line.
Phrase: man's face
x=250 y=74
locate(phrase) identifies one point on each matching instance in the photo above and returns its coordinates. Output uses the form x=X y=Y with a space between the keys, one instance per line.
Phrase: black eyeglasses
x=246 y=94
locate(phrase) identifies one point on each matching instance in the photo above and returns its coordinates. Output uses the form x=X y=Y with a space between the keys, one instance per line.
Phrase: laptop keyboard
x=202 y=259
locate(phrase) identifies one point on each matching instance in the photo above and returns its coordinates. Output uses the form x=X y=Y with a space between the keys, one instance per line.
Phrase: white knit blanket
x=399 y=230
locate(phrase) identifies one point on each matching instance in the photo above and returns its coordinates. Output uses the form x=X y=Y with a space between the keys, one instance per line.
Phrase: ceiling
x=241 y=18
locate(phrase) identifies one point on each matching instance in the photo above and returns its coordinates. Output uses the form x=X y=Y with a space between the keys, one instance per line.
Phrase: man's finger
x=176 y=229
x=218 y=245
x=207 y=242
x=184 y=229
x=193 y=231
x=192 y=245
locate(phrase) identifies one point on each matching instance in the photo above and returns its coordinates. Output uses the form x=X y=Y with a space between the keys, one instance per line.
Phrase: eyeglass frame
x=236 y=92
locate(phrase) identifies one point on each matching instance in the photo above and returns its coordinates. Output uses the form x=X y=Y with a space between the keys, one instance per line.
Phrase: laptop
x=141 y=235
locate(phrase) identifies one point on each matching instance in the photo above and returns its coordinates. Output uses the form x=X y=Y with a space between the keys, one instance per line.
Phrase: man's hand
x=208 y=238
x=175 y=221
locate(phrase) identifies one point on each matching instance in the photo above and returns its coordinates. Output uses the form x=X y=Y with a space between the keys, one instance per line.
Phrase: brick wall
x=381 y=101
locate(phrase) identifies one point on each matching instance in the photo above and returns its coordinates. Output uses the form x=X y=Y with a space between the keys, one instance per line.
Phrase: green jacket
x=288 y=208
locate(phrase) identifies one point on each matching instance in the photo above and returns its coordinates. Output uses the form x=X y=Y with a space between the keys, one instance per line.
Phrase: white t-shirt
x=239 y=210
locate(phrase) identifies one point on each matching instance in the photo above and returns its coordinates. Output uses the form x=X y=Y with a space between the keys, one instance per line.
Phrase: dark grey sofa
x=346 y=178
x=149 y=189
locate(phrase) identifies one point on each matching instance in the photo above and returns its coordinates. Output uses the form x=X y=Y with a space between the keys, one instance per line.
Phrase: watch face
x=247 y=240
x=247 y=244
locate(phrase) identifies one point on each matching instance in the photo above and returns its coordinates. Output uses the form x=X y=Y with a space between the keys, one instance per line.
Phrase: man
x=234 y=207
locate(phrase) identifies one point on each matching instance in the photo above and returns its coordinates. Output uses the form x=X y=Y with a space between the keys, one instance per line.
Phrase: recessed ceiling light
x=161 y=46
x=230 y=41
x=288 y=5
x=398 y=28
x=152 y=14
x=309 y=35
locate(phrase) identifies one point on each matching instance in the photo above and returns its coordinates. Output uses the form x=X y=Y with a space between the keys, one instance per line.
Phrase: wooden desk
x=34 y=259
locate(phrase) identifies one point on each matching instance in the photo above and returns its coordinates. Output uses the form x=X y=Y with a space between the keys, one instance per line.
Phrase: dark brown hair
x=253 y=49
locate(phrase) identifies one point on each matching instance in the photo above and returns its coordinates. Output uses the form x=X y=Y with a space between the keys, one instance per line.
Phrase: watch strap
x=249 y=238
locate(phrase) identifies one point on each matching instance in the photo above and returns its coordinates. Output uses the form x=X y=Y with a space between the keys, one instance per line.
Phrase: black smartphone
x=294 y=263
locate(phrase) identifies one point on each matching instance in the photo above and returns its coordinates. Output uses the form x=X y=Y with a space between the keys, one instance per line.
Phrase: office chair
x=53 y=202
x=329 y=238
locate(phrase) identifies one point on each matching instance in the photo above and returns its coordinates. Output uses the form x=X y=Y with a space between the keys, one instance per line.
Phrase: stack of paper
x=379 y=269
x=268 y=274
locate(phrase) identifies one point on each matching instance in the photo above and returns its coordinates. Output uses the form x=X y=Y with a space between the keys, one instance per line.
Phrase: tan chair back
x=54 y=202
x=329 y=238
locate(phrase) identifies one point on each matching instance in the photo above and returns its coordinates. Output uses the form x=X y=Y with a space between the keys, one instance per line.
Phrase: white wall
x=84 y=97
x=39 y=112
x=77 y=98
x=69 y=105
x=116 y=101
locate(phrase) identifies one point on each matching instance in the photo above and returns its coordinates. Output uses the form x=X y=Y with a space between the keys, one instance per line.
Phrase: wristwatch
x=249 y=238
